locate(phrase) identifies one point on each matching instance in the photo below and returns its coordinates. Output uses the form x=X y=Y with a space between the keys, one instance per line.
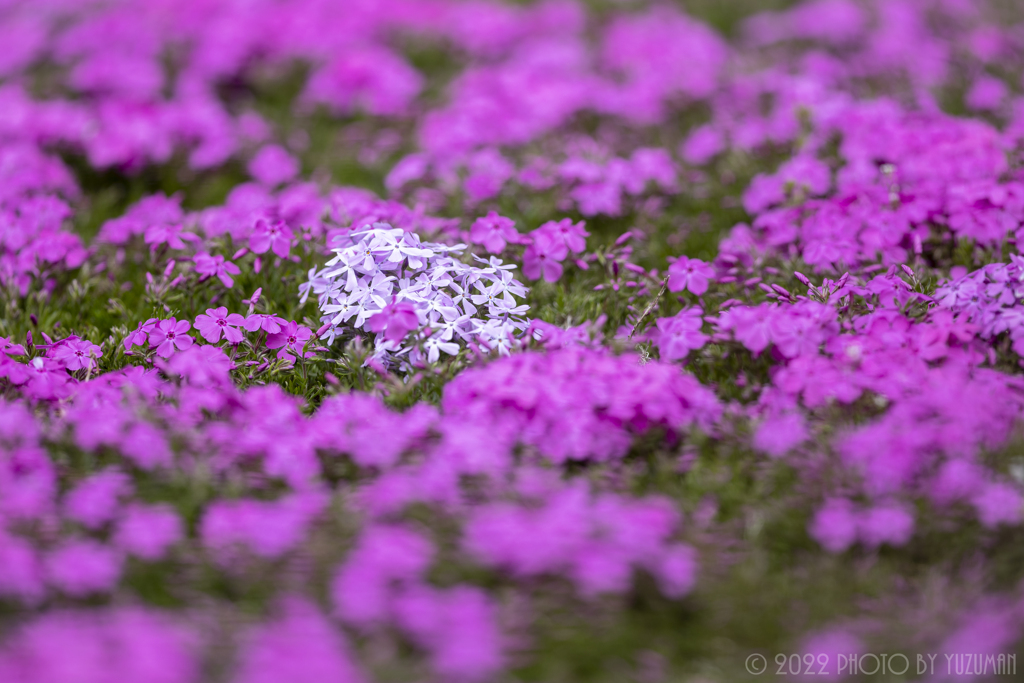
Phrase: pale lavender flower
x=388 y=282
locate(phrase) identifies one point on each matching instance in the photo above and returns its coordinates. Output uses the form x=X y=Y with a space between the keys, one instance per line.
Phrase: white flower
x=455 y=302
x=435 y=345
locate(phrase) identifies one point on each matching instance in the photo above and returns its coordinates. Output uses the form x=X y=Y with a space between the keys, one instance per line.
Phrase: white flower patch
x=455 y=303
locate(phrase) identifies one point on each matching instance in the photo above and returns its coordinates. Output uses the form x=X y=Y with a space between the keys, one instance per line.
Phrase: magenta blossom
x=201 y=366
x=834 y=525
x=691 y=274
x=139 y=335
x=9 y=348
x=95 y=500
x=169 y=234
x=299 y=644
x=273 y=165
x=779 y=434
x=574 y=235
x=271 y=236
x=542 y=258
x=83 y=567
x=493 y=232
x=100 y=644
x=218 y=321
x=396 y=320
x=270 y=324
x=292 y=337
x=170 y=335
x=148 y=531
x=680 y=334
x=77 y=354
x=210 y=266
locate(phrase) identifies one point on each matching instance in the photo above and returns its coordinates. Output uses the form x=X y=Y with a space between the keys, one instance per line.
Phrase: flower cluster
x=386 y=281
x=989 y=299
x=154 y=429
x=593 y=541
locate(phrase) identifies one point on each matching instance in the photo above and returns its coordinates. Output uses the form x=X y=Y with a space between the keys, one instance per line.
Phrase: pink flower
x=21 y=575
x=750 y=326
x=493 y=232
x=209 y=266
x=270 y=324
x=806 y=171
x=147 y=531
x=764 y=191
x=169 y=335
x=385 y=557
x=889 y=523
x=573 y=235
x=94 y=501
x=459 y=628
x=146 y=447
x=986 y=94
x=77 y=354
x=396 y=320
x=273 y=165
x=834 y=525
x=83 y=567
x=218 y=321
x=267 y=236
x=691 y=274
x=997 y=504
x=100 y=644
x=780 y=433
x=702 y=144
x=268 y=528
x=139 y=335
x=680 y=334
x=371 y=78
x=201 y=366
x=803 y=328
x=10 y=349
x=172 y=235
x=300 y=645
x=542 y=258
x=676 y=570
x=292 y=337
x=487 y=171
